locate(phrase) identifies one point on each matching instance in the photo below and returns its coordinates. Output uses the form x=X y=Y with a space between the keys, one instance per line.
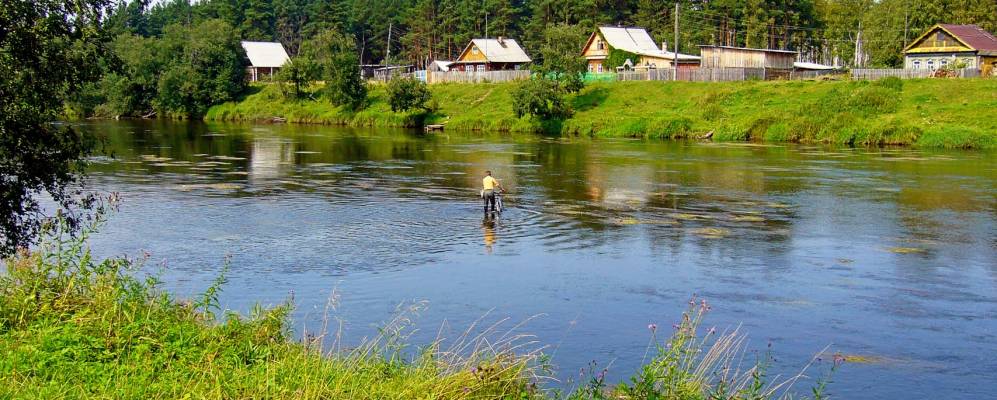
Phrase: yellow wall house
x=944 y=45
x=499 y=54
x=633 y=40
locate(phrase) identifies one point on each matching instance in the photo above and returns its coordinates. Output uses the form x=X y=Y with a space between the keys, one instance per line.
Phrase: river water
x=886 y=254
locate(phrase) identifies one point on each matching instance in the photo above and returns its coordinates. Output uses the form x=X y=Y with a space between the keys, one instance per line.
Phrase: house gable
x=472 y=53
x=938 y=40
x=592 y=48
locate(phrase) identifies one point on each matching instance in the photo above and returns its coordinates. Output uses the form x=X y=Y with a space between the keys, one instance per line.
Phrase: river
x=885 y=255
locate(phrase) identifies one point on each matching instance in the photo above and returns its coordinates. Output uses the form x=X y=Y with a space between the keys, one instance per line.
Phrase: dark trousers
x=489 y=197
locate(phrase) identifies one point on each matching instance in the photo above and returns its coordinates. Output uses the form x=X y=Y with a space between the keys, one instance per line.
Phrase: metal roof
x=974 y=36
x=638 y=41
x=494 y=50
x=749 y=49
x=265 y=54
x=813 y=66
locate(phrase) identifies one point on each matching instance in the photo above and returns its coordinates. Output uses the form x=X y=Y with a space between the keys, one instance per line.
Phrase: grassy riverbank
x=75 y=327
x=927 y=112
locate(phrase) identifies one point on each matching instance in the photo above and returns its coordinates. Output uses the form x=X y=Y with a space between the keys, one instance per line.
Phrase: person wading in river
x=490 y=185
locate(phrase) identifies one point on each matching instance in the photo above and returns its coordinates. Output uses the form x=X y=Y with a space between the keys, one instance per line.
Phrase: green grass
x=72 y=326
x=954 y=113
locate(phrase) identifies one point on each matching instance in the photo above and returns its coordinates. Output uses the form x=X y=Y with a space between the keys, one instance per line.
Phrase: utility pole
x=675 y=51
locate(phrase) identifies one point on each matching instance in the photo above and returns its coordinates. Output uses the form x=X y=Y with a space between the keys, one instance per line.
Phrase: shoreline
x=924 y=113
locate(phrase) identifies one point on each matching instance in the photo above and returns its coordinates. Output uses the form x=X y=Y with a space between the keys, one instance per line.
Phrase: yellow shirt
x=489 y=183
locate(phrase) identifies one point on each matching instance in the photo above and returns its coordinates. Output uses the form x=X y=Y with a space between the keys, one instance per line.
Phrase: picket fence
x=432 y=77
x=874 y=74
x=716 y=74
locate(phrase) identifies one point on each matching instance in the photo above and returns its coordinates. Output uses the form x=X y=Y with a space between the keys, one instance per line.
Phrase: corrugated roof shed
x=974 y=36
x=265 y=54
x=504 y=51
x=637 y=41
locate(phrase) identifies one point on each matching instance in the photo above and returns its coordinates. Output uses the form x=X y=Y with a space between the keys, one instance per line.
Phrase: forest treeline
x=176 y=58
x=418 y=31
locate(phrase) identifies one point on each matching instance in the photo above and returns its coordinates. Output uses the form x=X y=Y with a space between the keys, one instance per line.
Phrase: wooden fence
x=717 y=74
x=432 y=77
x=873 y=74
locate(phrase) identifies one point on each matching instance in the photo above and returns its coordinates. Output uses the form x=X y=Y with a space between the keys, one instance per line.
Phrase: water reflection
x=884 y=252
x=488 y=225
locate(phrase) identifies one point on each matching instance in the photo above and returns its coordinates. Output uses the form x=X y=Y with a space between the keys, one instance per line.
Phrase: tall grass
x=75 y=327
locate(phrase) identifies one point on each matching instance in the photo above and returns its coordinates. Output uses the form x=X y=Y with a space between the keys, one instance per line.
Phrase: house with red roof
x=945 y=45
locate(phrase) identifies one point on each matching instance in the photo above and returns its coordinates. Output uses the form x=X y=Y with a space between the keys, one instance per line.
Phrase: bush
x=539 y=97
x=295 y=76
x=407 y=93
x=336 y=62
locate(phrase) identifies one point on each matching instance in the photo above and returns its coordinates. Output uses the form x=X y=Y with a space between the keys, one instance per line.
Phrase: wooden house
x=632 y=40
x=499 y=54
x=265 y=59
x=944 y=45
x=743 y=57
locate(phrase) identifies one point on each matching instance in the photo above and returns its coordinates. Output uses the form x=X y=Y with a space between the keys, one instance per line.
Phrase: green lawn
x=924 y=112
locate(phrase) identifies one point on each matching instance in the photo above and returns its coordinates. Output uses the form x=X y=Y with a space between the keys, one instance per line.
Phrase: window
x=931 y=64
x=600 y=68
x=600 y=45
x=591 y=68
x=945 y=62
x=481 y=67
x=474 y=50
x=917 y=64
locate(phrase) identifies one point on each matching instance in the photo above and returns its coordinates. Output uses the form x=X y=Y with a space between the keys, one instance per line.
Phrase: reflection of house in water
x=270 y=158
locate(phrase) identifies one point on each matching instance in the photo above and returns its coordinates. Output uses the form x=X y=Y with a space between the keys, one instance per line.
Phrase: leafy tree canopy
x=49 y=50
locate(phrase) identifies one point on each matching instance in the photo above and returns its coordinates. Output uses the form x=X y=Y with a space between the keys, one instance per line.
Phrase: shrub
x=539 y=97
x=295 y=76
x=336 y=63
x=407 y=93
x=891 y=82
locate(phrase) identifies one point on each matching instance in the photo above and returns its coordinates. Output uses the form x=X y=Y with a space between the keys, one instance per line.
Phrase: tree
x=48 y=50
x=338 y=65
x=561 y=55
x=539 y=97
x=295 y=75
x=207 y=67
x=407 y=93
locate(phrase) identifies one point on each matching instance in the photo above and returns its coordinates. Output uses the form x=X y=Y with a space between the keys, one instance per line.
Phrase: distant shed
x=743 y=57
x=265 y=59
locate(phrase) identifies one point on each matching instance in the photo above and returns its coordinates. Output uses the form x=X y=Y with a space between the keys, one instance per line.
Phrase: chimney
x=664 y=46
x=501 y=41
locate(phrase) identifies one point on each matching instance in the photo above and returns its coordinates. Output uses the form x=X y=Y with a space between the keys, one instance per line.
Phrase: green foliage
x=295 y=76
x=945 y=113
x=407 y=93
x=49 y=52
x=207 y=67
x=337 y=63
x=561 y=56
x=539 y=97
x=617 y=58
